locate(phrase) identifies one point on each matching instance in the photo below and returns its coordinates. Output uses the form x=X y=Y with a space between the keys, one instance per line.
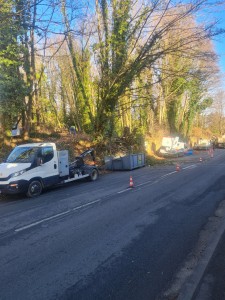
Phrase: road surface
x=103 y=240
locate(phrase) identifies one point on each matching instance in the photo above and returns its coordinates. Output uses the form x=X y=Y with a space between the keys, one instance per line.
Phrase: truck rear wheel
x=35 y=189
x=93 y=175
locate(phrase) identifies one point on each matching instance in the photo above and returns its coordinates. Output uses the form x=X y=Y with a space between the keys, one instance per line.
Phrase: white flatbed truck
x=30 y=168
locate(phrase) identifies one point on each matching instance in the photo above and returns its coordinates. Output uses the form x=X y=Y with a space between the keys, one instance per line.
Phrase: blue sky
x=220 y=50
x=219 y=41
x=214 y=11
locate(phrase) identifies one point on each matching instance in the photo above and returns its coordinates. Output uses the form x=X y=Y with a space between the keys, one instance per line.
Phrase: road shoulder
x=189 y=279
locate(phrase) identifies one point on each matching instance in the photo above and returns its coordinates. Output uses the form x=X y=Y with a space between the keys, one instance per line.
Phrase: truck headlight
x=18 y=173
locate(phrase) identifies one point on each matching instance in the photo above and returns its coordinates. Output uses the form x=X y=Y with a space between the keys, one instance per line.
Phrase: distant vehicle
x=181 y=147
x=220 y=145
x=32 y=167
x=203 y=144
x=169 y=141
x=172 y=147
x=167 y=152
x=220 y=142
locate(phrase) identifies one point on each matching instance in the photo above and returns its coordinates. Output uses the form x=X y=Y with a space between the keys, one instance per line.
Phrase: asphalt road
x=102 y=240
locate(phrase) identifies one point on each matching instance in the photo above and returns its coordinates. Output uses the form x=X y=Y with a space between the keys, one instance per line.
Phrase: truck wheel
x=34 y=189
x=93 y=175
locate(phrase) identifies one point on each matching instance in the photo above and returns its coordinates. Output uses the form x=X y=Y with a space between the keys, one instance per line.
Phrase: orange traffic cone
x=177 y=167
x=200 y=159
x=131 y=182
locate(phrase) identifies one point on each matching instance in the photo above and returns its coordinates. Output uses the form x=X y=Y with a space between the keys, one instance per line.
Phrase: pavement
x=212 y=285
x=207 y=279
x=206 y=282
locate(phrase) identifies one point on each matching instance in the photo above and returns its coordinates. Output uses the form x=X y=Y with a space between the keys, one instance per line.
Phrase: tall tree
x=132 y=38
x=12 y=85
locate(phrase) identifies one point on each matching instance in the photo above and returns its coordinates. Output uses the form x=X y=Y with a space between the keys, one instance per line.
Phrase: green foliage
x=204 y=104
x=127 y=74
x=12 y=86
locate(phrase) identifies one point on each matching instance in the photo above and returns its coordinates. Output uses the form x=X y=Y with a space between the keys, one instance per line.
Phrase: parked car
x=220 y=145
x=170 y=152
x=202 y=146
x=219 y=142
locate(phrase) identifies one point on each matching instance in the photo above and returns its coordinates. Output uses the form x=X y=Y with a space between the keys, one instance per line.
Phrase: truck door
x=48 y=168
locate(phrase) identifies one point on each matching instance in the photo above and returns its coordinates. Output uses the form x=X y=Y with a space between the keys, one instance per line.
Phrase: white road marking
x=155 y=181
x=168 y=174
x=87 y=204
x=190 y=167
x=150 y=181
x=55 y=216
x=41 y=221
x=140 y=184
x=96 y=201
x=123 y=191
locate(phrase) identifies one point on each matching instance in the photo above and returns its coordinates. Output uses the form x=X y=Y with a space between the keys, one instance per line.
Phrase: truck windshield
x=22 y=155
